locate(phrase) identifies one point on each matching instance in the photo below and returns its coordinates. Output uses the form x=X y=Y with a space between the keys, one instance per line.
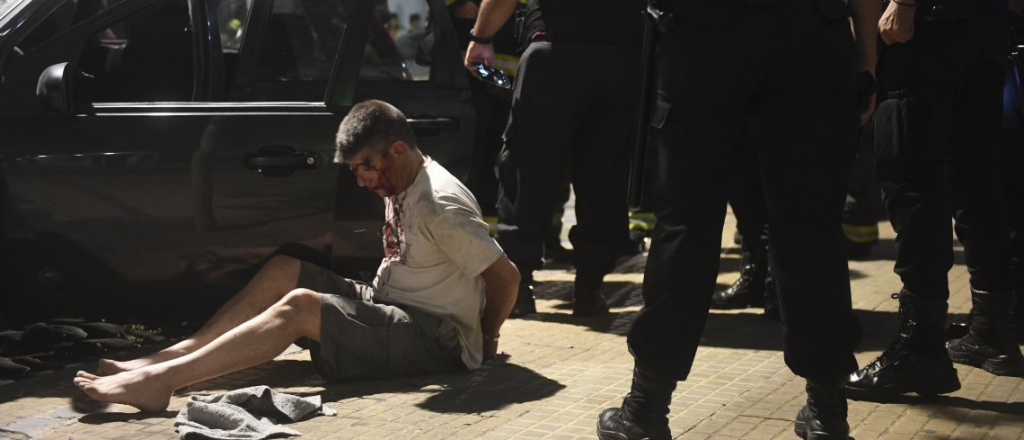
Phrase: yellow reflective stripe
x=508 y=63
x=642 y=215
x=861 y=234
x=642 y=221
x=492 y=225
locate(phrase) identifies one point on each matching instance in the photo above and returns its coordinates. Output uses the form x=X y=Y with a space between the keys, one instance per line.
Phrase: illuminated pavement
x=563 y=370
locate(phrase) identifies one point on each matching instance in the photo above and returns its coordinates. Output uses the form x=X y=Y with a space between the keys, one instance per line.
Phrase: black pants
x=864 y=195
x=574 y=105
x=492 y=118
x=1012 y=159
x=935 y=139
x=790 y=68
x=747 y=198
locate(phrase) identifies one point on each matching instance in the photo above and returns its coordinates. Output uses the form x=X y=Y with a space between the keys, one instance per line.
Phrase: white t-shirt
x=436 y=244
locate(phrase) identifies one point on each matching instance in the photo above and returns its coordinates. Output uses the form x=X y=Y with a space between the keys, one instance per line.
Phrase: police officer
x=577 y=90
x=792 y=67
x=941 y=79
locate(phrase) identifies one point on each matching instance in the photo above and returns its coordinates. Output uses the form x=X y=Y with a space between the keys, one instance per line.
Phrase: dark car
x=155 y=152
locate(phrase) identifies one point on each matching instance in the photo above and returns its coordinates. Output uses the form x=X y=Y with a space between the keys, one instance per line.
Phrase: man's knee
x=300 y=301
x=300 y=309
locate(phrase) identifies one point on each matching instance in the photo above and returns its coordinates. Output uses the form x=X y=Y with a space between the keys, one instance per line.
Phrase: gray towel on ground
x=245 y=414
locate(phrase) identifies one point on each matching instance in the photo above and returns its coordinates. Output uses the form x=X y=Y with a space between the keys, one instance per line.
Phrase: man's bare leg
x=278 y=277
x=258 y=340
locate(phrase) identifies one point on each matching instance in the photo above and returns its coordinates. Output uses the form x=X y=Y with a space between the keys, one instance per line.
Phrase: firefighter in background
x=754 y=287
x=567 y=114
x=492 y=105
x=863 y=199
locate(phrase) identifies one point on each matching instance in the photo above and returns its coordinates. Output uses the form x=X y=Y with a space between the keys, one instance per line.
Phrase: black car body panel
x=170 y=146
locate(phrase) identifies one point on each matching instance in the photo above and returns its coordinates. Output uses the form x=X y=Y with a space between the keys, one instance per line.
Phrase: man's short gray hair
x=373 y=125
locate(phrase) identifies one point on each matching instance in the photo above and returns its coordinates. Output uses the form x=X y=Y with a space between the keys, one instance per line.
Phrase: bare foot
x=107 y=367
x=137 y=388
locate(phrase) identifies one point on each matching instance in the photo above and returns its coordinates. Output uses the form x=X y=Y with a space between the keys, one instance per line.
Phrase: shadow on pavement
x=742 y=328
x=492 y=387
x=950 y=407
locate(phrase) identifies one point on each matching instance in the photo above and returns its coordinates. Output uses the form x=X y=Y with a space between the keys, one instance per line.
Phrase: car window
x=67 y=14
x=301 y=40
x=146 y=57
x=232 y=20
x=400 y=43
x=6 y=6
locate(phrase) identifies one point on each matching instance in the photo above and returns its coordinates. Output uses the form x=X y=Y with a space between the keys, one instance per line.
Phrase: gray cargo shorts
x=360 y=337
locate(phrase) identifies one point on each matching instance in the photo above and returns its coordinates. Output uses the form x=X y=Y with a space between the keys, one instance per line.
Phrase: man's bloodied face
x=374 y=172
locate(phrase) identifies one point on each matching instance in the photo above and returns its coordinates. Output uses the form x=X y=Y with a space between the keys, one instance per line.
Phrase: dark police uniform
x=937 y=119
x=576 y=92
x=935 y=138
x=1012 y=160
x=790 y=66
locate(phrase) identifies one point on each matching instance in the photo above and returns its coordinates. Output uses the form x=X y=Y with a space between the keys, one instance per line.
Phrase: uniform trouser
x=789 y=68
x=492 y=118
x=1012 y=163
x=863 y=197
x=935 y=139
x=573 y=105
x=747 y=198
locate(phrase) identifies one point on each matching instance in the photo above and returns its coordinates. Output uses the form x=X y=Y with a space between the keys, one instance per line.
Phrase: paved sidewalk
x=563 y=370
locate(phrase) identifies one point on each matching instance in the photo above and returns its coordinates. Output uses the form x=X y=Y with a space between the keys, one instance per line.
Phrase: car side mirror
x=53 y=89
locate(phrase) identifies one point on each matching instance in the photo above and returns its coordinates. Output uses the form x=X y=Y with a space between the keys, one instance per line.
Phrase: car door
x=148 y=170
x=419 y=70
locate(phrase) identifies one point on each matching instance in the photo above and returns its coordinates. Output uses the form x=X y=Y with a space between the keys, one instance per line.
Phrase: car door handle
x=280 y=160
x=431 y=125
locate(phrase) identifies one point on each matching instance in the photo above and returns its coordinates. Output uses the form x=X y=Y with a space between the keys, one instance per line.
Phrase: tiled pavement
x=562 y=371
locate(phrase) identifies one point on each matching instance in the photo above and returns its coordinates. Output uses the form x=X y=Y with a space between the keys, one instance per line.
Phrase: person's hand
x=478 y=53
x=897 y=22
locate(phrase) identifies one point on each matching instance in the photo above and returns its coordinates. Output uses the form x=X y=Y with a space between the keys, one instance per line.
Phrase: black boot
x=824 y=415
x=915 y=361
x=991 y=343
x=525 y=304
x=587 y=299
x=748 y=290
x=643 y=414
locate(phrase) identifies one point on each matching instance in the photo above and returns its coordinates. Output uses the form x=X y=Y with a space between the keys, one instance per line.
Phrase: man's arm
x=865 y=31
x=492 y=16
x=501 y=285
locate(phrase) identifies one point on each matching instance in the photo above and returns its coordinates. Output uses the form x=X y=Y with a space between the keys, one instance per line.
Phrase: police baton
x=655 y=19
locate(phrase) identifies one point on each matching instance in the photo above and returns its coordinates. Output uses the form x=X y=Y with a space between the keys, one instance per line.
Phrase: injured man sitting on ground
x=437 y=303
